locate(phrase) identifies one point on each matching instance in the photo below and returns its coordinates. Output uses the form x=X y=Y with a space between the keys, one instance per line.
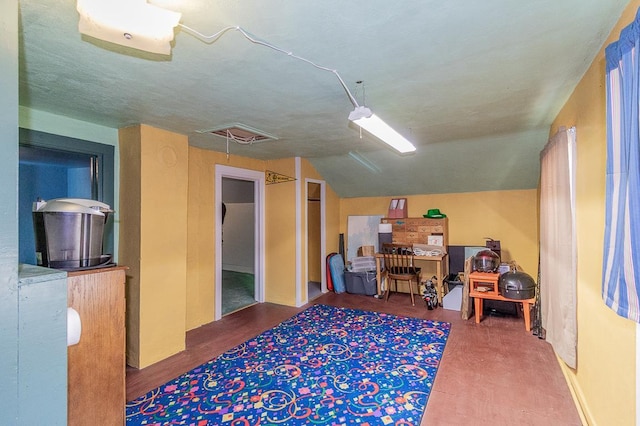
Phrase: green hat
x=434 y=214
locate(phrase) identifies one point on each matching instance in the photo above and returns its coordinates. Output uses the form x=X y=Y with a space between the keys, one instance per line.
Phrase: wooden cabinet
x=417 y=230
x=96 y=365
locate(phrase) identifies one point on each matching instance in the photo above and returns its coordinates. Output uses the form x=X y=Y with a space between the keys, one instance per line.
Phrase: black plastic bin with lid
x=361 y=282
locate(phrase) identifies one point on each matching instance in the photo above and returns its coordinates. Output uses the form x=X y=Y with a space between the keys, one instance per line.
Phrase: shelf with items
x=484 y=282
x=484 y=285
x=419 y=230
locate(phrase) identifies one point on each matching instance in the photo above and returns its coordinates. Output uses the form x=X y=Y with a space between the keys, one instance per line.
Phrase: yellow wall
x=508 y=216
x=604 y=381
x=280 y=247
x=280 y=232
x=280 y=221
x=129 y=247
x=200 y=292
x=153 y=241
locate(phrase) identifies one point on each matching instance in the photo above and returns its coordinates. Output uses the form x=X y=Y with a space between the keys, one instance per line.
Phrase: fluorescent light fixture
x=131 y=23
x=363 y=117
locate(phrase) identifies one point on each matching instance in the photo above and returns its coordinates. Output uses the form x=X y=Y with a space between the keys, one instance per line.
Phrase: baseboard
x=576 y=393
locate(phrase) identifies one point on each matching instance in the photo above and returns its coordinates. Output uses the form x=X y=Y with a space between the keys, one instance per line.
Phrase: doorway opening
x=240 y=239
x=316 y=267
x=238 y=244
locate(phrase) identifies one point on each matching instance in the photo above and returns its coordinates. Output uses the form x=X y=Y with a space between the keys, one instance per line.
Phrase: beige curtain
x=558 y=244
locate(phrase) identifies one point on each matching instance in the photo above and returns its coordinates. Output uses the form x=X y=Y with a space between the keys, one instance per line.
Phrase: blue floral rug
x=324 y=366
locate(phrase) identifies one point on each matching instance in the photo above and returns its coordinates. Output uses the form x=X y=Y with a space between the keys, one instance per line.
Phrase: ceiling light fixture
x=137 y=24
x=363 y=117
x=130 y=23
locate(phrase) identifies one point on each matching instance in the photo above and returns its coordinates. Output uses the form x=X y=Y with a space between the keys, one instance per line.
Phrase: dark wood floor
x=492 y=373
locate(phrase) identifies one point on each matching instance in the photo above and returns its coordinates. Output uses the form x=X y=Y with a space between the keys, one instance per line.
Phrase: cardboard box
x=366 y=251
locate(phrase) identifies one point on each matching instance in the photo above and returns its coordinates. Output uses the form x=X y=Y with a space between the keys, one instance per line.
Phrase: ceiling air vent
x=240 y=133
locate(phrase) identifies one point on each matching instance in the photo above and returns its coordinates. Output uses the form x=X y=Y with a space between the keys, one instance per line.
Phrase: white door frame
x=258 y=179
x=323 y=233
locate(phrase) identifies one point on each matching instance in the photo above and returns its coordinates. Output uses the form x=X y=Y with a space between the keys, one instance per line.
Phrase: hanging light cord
x=241 y=141
x=214 y=37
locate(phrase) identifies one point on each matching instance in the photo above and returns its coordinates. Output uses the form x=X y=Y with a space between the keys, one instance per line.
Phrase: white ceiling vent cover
x=240 y=133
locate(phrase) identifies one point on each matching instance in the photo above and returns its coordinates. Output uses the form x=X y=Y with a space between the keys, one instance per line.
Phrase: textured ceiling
x=474 y=85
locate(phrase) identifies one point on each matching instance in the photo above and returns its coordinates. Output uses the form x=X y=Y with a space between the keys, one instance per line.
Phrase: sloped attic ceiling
x=474 y=85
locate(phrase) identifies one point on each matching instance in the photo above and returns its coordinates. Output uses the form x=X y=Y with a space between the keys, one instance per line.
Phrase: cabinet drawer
x=433 y=222
x=429 y=229
x=413 y=237
x=397 y=227
x=399 y=237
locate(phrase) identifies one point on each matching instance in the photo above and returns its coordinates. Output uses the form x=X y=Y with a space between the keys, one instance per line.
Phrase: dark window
x=53 y=166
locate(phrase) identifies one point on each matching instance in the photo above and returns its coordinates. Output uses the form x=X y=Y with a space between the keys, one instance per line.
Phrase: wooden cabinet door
x=96 y=365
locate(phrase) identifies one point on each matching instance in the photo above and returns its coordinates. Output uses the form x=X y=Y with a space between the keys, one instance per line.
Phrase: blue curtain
x=621 y=261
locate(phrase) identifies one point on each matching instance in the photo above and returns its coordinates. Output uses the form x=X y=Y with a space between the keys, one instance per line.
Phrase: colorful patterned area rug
x=323 y=366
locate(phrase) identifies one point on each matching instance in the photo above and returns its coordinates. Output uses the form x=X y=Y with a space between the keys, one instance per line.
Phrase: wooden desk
x=484 y=285
x=442 y=269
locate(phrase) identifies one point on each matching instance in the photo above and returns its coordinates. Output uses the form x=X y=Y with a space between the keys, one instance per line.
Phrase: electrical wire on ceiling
x=361 y=115
x=214 y=37
x=359 y=84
